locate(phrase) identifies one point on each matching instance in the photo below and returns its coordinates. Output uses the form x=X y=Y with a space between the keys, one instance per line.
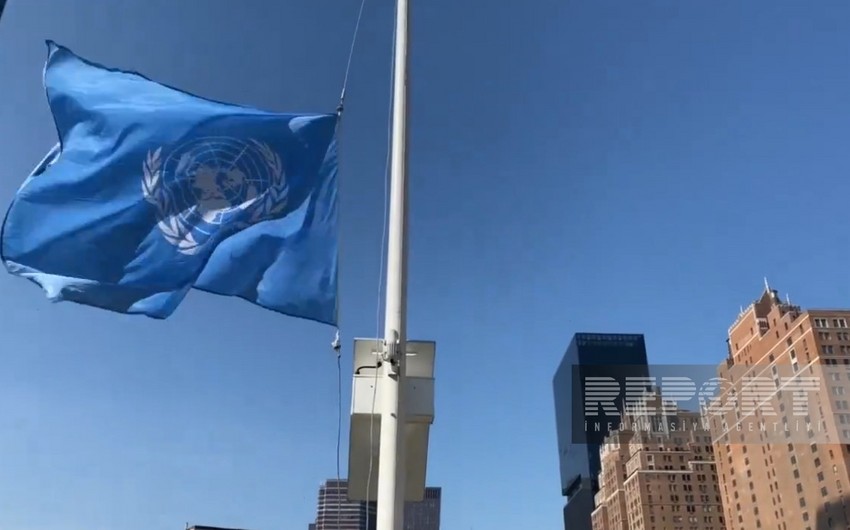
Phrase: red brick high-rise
x=782 y=453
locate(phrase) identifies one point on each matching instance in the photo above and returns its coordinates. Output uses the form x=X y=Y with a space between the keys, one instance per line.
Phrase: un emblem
x=208 y=184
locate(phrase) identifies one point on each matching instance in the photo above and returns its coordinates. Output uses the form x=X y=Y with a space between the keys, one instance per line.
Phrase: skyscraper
x=610 y=357
x=424 y=514
x=658 y=472
x=782 y=452
x=336 y=512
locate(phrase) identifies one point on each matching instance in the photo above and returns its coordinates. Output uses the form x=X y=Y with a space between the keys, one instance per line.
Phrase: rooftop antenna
x=766 y=285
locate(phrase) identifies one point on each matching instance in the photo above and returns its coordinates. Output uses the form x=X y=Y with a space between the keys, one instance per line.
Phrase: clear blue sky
x=577 y=166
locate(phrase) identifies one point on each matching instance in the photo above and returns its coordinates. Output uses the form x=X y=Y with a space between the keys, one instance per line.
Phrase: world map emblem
x=212 y=184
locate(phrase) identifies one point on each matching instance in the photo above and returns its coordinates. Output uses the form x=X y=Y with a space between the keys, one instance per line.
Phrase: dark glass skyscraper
x=424 y=514
x=609 y=358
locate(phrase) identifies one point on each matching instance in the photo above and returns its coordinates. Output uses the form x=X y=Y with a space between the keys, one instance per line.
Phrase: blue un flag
x=152 y=192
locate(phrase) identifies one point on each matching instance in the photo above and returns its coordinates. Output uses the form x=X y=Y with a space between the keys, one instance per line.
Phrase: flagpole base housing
x=365 y=414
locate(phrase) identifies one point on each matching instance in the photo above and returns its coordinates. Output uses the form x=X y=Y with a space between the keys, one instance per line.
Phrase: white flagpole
x=391 y=472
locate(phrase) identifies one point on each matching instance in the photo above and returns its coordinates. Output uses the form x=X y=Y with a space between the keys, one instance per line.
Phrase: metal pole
x=391 y=472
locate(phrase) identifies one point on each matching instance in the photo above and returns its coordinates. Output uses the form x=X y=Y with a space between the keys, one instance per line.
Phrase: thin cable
x=350 y=54
x=336 y=342
x=381 y=278
x=338 y=434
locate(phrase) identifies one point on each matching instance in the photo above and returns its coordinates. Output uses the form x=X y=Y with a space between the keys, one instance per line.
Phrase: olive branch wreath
x=177 y=231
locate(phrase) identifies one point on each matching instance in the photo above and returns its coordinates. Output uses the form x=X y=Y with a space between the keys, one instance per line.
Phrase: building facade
x=781 y=423
x=658 y=473
x=424 y=514
x=589 y=355
x=336 y=512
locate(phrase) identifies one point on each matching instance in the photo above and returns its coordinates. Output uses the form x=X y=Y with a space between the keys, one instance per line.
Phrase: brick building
x=782 y=446
x=658 y=473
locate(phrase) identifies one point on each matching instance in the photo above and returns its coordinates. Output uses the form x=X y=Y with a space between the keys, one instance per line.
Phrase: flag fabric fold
x=153 y=192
